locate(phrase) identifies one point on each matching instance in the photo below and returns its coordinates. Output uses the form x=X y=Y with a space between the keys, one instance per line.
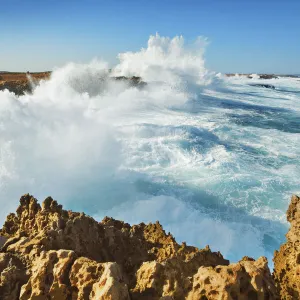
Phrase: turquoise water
x=214 y=159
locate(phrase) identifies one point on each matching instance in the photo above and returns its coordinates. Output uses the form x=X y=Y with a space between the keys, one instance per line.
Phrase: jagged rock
x=49 y=276
x=12 y=276
x=246 y=280
x=62 y=254
x=287 y=259
x=98 y=280
x=57 y=275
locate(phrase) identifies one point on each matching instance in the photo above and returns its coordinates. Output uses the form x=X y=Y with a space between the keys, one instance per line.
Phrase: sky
x=245 y=36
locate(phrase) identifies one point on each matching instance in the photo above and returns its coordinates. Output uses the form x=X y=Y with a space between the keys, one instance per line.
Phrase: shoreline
x=20 y=82
x=48 y=251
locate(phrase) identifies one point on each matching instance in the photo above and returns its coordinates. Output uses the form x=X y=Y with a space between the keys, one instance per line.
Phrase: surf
x=213 y=158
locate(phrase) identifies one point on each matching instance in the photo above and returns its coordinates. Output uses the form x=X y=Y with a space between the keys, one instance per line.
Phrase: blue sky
x=245 y=36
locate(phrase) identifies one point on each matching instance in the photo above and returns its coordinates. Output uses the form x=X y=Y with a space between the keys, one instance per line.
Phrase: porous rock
x=51 y=253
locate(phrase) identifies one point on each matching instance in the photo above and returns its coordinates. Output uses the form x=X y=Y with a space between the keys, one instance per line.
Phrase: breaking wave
x=215 y=159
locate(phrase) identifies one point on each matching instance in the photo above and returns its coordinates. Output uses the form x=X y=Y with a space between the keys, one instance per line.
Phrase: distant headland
x=23 y=82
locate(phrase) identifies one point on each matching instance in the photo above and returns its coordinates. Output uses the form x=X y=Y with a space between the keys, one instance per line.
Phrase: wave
x=191 y=148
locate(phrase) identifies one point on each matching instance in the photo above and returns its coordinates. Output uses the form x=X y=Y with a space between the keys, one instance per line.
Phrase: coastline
x=23 y=82
x=50 y=252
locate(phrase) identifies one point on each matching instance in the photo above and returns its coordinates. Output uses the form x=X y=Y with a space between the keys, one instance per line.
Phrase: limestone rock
x=287 y=259
x=12 y=276
x=51 y=253
x=59 y=275
x=245 y=280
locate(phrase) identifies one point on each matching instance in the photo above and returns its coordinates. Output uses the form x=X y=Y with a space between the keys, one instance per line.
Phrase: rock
x=56 y=274
x=49 y=276
x=19 y=83
x=248 y=279
x=53 y=253
x=287 y=259
x=12 y=276
x=132 y=81
x=259 y=76
x=267 y=86
x=3 y=240
x=268 y=76
x=111 y=284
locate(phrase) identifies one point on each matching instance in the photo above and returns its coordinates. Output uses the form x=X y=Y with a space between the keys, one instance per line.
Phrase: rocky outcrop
x=51 y=253
x=257 y=76
x=13 y=274
x=17 y=86
x=20 y=83
x=287 y=259
x=267 y=86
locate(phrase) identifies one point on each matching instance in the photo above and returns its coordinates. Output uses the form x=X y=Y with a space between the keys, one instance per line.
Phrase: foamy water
x=215 y=159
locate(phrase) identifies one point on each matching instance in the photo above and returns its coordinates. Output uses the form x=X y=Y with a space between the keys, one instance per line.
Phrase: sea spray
x=213 y=158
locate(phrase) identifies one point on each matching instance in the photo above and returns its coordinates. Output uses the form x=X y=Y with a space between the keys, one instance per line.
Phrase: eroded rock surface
x=51 y=253
x=287 y=259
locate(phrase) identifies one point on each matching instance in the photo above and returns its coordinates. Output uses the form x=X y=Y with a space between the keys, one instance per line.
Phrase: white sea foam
x=213 y=158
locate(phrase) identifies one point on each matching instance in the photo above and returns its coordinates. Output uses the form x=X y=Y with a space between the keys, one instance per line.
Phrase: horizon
x=241 y=40
x=50 y=71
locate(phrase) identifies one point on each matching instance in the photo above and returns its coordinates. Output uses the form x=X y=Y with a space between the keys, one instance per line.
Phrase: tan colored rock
x=35 y=229
x=287 y=259
x=59 y=275
x=60 y=254
x=49 y=276
x=12 y=276
x=92 y=280
x=166 y=279
x=246 y=280
x=18 y=83
x=111 y=284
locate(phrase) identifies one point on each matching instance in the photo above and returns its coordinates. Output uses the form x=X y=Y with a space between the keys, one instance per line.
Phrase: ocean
x=214 y=158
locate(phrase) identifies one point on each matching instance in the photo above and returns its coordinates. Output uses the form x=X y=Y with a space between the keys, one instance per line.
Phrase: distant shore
x=22 y=82
x=261 y=76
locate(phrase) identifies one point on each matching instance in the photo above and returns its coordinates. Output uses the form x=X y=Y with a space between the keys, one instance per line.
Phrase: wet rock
x=267 y=86
x=19 y=83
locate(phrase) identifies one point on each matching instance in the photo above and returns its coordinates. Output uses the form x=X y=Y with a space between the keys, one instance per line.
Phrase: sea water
x=213 y=158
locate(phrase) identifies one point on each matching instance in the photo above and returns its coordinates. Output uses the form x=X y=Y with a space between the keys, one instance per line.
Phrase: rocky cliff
x=50 y=253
